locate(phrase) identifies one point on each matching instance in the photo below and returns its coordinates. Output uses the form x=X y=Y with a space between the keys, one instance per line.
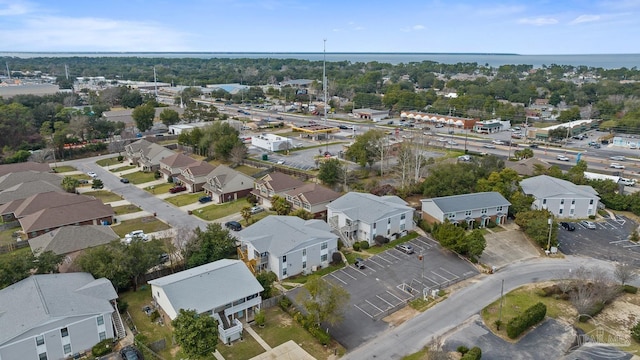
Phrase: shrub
x=462 y=349
x=285 y=303
x=522 y=322
x=379 y=240
x=120 y=158
x=491 y=224
x=336 y=257
x=630 y=289
x=122 y=306
x=474 y=354
x=356 y=246
x=320 y=334
x=550 y=290
x=595 y=310
x=635 y=332
x=155 y=315
x=364 y=245
x=498 y=324
x=260 y=318
x=102 y=348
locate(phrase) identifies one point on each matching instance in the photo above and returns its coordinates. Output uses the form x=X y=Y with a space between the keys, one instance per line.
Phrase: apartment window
x=484 y=211
x=591 y=202
x=560 y=212
x=561 y=201
x=64 y=332
x=40 y=340
x=544 y=201
x=389 y=221
x=573 y=202
x=100 y=320
x=284 y=259
x=284 y=272
x=499 y=208
x=304 y=252
x=451 y=215
x=403 y=216
x=42 y=356
x=374 y=225
x=571 y=212
x=67 y=348
x=304 y=264
x=467 y=213
x=324 y=246
x=323 y=257
x=103 y=335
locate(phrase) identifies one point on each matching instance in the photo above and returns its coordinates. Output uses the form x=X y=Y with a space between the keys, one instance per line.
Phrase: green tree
x=330 y=171
x=506 y=182
x=474 y=244
x=570 y=115
x=69 y=184
x=323 y=300
x=197 y=334
x=535 y=224
x=143 y=116
x=280 y=205
x=519 y=202
x=302 y=214
x=97 y=184
x=47 y=262
x=245 y=212
x=15 y=267
x=169 y=117
x=450 y=179
x=213 y=244
x=366 y=148
x=139 y=257
x=266 y=279
x=131 y=98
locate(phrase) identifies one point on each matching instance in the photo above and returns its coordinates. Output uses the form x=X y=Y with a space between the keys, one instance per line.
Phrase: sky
x=532 y=27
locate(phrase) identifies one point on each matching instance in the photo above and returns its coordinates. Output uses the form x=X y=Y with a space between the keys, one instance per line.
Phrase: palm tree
x=246 y=213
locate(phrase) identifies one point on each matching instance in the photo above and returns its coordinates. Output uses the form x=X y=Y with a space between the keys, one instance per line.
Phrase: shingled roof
x=68 y=239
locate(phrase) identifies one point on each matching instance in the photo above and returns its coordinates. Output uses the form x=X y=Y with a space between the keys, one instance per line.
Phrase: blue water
x=607 y=61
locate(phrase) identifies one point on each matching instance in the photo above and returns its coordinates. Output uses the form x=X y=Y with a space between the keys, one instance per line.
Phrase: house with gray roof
x=194 y=176
x=54 y=316
x=562 y=198
x=22 y=207
x=67 y=240
x=23 y=166
x=287 y=245
x=171 y=167
x=474 y=209
x=225 y=184
x=311 y=197
x=12 y=179
x=362 y=217
x=151 y=156
x=224 y=289
x=24 y=190
x=275 y=183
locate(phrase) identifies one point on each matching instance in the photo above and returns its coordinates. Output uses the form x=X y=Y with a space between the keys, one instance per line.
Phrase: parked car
x=588 y=224
x=405 y=248
x=280 y=162
x=439 y=125
x=616 y=166
x=130 y=353
x=233 y=225
x=124 y=180
x=489 y=146
x=177 y=189
x=359 y=263
x=497 y=142
x=136 y=234
x=163 y=258
x=627 y=182
x=617 y=158
x=562 y=158
x=533 y=146
x=204 y=199
x=256 y=209
x=92 y=174
x=567 y=226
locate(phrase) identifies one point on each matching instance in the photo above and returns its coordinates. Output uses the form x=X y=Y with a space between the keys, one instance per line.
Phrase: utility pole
x=324 y=78
x=501 y=302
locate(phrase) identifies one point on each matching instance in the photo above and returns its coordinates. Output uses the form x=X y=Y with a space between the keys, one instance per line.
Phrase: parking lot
x=609 y=241
x=388 y=282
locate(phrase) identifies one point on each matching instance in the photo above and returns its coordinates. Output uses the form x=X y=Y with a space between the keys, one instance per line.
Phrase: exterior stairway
x=225 y=321
x=118 y=324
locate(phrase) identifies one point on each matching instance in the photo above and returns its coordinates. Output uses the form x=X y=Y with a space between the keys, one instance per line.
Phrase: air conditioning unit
x=314 y=268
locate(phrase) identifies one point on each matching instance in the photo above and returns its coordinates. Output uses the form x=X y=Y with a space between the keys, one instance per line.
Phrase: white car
x=280 y=162
x=616 y=166
x=136 y=234
x=498 y=142
x=562 y=158
x=617 y=158
x=588 y=224
x=489 y=146
x=92 y=174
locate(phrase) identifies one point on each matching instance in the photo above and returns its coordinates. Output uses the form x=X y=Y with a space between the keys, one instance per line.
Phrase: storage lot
x=388 y=281
x=607 y=242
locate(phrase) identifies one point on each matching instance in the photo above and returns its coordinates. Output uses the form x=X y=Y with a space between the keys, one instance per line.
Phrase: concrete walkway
x=255 y=335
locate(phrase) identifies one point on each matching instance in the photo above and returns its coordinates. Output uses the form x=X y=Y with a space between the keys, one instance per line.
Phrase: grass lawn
x=216 y=211
x=19 y=252
x=64 y=169
x=123 y=168
x=148 y=224
x=184 y=199
x=247 y=170
x=104 y=195
x=280 y=328
x=6 y=236
x=159 y=189
x=420 y=355
x=378 y=249
x=79 y=176
x=140 y=177
x=256 y=217
x=109 y=162
x=126 y=209
x=246 y=348
x=302 y=279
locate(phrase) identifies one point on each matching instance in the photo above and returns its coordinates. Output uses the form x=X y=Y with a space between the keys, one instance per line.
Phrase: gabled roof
x=527 y=167
x=178 y=160
x=23 y=166
x=49 y=199
x=482 y=200
x=200 y=168
x=24 y=190
x=68 y=239
x=12 y=179
x=279 y=182
x=136 y=146
x=224 y=175
x=156 y=152
x=545 y=186
x=314 y=193
x=209 y=286
x=41 y=299
x=279 y=235
x=368 y=207
x=51 y=218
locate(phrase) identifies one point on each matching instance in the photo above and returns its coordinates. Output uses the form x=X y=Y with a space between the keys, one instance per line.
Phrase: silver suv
x=407 y=249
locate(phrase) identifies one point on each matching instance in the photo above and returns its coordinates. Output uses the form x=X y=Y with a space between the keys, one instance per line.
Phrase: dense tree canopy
x=197 y=334
x=212 y=244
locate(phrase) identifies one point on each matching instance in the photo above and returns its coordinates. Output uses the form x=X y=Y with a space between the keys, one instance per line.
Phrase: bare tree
x=591 y=287
x=238 y=154
x=405 y=163
x=116 y=146
x=436 y=350
x=625 y=273
x=182 y=237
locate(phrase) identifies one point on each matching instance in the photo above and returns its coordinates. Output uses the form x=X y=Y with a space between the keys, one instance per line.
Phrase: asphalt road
x=418 y=332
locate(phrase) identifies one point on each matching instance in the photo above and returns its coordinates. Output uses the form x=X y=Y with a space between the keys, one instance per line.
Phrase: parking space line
x=382 y=257
x=393 y=256
x=416 y=280
x=417 y=247
x=618 y=241
x=366 y=313
x=371 y=260
x=388 y=303
x=455 y=277
x=349 y=275
x=369 y=302
x=358 y=270
x=631 y=246
x=424 y=243
x=445 y=279
x=401 y=300
x=433 y=281
x=337 y=278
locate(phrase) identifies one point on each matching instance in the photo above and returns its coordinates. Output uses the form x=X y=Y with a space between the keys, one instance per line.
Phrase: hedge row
x=364 y=245
x=530 y=317
x=307 y=322
x=474 y=354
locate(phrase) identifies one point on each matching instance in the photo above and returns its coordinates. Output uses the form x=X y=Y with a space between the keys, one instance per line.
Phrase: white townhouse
x=287 y=245
x=362 y=216
x=477 y=208
x=562 y=198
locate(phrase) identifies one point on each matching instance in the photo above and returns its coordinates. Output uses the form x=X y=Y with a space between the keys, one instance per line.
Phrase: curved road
x=418 y=332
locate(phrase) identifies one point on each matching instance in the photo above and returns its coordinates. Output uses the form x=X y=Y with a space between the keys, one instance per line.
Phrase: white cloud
x=585 y=18
x=13 y=8
x=500 y=10
x=538 y=21
x=412 y=28
x=418 y=27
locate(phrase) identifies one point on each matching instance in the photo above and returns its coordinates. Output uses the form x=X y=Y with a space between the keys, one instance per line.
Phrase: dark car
x=177 y=189
x=279 y=118
x=343 y=127
x=204 y=199
x=568 y=226
x=124 y=180
x=233 y=225
x=130 y=353
x=359 y=263
x=533 y=146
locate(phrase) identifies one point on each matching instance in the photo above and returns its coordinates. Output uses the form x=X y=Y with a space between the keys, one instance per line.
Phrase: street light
x=550 y=221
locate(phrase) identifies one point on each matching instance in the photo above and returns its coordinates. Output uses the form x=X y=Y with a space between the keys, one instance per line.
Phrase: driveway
x=387 y=283
x=609 y=241
x=505 y=247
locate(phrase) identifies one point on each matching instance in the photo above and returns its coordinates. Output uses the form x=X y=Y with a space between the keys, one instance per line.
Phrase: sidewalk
x=257 y=337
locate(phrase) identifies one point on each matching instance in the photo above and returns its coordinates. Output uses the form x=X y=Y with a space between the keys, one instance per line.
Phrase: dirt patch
x=284 y=320
x=621 y=315
x=401 y=316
